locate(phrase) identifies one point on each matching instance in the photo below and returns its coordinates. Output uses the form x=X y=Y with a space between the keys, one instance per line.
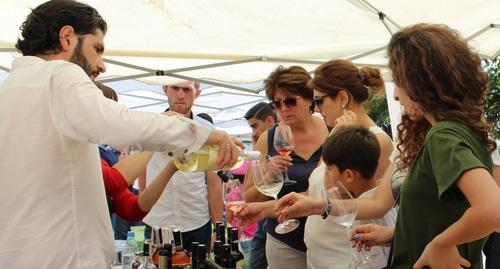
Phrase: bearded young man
x=54 y=213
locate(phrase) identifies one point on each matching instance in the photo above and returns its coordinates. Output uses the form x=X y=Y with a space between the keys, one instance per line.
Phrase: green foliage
x=492 y=109
x=378 y=109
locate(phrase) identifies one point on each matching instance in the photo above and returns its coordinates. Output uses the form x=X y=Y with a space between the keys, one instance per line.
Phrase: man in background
x=191 y=200
x=260 y=117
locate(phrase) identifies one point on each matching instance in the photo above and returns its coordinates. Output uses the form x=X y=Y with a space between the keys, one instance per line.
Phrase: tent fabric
x=236 y=44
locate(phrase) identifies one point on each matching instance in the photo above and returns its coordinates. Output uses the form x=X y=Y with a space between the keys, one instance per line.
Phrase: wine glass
x=284 y=143
x=269 y=181
x=234 y=199
x=344 y=210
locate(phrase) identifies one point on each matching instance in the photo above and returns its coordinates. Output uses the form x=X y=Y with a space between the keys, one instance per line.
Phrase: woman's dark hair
x=40 y=31
x=336 y=75
x=292 y=79
x=352 y=147
x=436 y=68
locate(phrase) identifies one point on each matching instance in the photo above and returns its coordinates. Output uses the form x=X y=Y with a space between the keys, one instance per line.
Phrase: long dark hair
x=436 y=68
x=40 y=31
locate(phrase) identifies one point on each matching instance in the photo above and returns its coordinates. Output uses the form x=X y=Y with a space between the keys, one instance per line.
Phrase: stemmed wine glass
x=284 y=143
x=344 y=210
x=269 y=181
x=234 y=199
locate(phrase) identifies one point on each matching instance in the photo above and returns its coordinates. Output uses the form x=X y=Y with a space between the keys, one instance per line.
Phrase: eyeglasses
x=289 y=102
x=318 y=100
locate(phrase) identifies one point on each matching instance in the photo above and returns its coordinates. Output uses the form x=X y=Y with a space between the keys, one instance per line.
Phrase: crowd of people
x=65 y=177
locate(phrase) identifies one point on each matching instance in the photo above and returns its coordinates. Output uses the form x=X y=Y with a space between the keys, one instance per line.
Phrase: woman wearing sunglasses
x=289 y=94
x=340 y=91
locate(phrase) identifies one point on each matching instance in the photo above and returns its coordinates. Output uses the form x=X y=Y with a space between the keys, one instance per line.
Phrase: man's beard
x=79 y=59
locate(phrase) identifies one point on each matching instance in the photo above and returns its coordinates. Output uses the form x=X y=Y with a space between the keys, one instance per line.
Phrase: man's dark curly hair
x=40 y=31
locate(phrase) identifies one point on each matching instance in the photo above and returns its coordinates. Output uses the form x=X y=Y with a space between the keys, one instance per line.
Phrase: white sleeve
x=395 y=152
x=82 y=113
x=495 y=156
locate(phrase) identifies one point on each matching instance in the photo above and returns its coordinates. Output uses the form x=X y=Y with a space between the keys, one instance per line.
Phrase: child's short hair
x=352 y=147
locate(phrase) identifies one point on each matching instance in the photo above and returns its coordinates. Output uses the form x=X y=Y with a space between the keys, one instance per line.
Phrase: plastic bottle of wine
x=205 y=159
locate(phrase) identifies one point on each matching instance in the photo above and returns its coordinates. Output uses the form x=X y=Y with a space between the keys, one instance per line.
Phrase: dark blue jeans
x=201 y=235
x=257 y=258
x=492 y=251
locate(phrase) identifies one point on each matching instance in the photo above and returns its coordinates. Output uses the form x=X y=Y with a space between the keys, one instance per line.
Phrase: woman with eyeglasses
x=289 y=94
x=340 y=91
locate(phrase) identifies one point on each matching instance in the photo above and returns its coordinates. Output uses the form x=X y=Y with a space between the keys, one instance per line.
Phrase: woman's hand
x=347 y=119
x=369 y=235
x=251 y=213
x=438 y=256
x=295 y=205
x=280 y=162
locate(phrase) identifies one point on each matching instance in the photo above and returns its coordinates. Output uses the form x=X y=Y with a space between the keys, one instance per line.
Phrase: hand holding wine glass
x=269 y=181
x=234 y=199
x=341 y=208
x=284 y=144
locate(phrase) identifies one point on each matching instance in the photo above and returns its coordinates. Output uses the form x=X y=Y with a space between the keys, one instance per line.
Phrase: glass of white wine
x=344 y=210
x=269 y=181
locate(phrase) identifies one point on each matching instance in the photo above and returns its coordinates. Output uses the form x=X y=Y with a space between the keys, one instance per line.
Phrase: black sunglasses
x=289 y=102
x=318 y=100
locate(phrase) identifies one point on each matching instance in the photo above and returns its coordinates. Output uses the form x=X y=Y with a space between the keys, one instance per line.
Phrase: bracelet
x=328 y=208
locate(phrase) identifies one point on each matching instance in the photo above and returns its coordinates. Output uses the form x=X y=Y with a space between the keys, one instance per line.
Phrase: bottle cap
x=201 y=253
x=131 y=234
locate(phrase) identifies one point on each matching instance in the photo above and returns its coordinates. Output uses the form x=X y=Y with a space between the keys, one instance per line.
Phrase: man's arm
x=215 y=199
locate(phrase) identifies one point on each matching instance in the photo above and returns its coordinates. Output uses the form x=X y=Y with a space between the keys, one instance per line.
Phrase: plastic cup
x=139 y=235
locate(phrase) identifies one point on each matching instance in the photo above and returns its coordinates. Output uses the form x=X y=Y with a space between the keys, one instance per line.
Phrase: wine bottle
x=205 y=159
x=156 y=244
x=221 y=233
x=218 y=251
x=226 y=256
x=194 y=254
x=201 y=257
x=237 y=258
x=166 y=257
x=145 y=262
x=180 y=257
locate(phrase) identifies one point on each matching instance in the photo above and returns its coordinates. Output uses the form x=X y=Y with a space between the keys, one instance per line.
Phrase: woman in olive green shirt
x=449 y=202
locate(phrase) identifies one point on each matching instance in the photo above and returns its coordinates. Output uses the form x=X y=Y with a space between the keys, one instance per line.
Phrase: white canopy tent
x=233 y=45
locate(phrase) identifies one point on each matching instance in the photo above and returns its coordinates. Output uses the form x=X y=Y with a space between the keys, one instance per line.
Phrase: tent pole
x=482 y=31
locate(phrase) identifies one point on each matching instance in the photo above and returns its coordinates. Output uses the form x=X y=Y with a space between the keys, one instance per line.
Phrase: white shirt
x=382 y=253
x=53 y=210
x=184 y=201
x=328 y=245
